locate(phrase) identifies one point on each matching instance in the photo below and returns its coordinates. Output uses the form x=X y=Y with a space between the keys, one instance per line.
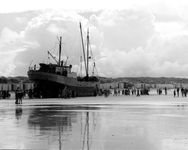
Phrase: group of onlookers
x=118 y=92
x=67 y=93
x=176 y=92
x=183 y=91
x=19 y=94
x=4 y=94
x=160 y=91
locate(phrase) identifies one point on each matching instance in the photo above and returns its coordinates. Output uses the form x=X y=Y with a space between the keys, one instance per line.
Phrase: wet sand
x=125 y=122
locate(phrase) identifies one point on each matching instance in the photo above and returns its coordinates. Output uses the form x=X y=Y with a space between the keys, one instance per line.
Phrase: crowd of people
x=117 y=92
x=68 y=93
x=5 y=94
x=183 y=91
x=176 y=92
x=160 y=91
x=105 y=92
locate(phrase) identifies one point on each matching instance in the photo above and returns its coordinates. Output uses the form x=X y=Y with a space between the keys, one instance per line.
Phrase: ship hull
x=50 y=85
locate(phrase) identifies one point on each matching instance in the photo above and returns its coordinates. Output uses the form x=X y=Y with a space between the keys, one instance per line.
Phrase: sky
x=137 y=38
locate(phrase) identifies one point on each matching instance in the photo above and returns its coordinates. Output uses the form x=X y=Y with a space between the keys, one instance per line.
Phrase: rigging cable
x=53 y=51
x=55 y=45
x=94 y=66
x=64 y=47
x=72 y=45
x=81 y=66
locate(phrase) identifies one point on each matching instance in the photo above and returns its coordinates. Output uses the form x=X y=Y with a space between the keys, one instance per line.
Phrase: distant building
x=162 y=86
x=125 y=85
x=158 y=86
x=114 y=85
x=14 y=86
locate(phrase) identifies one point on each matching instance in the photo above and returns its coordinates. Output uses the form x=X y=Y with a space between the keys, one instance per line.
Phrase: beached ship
x=56 y=80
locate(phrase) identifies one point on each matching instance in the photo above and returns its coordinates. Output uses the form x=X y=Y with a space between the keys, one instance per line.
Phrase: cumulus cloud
x=10 y=39
x=10 y=45
x=7 y=66
x=126 y=42
x=125 y=29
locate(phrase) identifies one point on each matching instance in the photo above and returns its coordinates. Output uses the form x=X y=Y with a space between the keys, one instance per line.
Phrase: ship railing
x=33 y=68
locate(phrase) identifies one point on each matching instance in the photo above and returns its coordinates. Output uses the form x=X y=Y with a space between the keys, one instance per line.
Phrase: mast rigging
x=53 y=57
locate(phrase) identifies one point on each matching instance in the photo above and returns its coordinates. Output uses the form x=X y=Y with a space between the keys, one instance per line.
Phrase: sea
x=124 y=122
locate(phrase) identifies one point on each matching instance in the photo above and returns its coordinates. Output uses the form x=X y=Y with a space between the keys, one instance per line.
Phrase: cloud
x=133 y=63
x=9 y=39
x=7 y=66
x=22 y=5
x=10 y=45
x=170 y=48
x=126 y=42
x=125 y=29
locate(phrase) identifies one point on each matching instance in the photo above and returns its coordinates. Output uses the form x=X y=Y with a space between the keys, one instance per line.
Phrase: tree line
x=149 y=80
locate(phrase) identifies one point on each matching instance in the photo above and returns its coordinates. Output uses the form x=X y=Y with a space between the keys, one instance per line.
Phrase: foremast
x=60 y=41
x=57 y=61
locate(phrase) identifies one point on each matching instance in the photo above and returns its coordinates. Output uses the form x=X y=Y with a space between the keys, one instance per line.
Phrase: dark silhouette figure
x=174 y=93
x=138 y=92
x=178 y=92
x=18 y=96
x=182 y=91
x=165 y=91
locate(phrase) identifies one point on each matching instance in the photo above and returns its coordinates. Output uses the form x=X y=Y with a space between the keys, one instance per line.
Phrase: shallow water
x=126 y=122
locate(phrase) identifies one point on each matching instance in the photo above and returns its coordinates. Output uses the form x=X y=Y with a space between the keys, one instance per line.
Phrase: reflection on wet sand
x=107 y=126
x=61 y=121
x=51 y=118
x=18 y=112
x=123 y=124
x=86 y=134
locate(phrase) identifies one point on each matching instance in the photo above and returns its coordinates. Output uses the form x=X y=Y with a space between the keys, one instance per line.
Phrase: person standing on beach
x=182 y=91
x=185 y=92
x=59 y=94
x=138 y=92
x=20 y=96
x=178 y=92
x=174 y=93
x=16 y=95
x=64 y=93
x=165 y=91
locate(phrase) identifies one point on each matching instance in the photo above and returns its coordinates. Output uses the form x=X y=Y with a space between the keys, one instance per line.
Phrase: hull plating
x=51 y=85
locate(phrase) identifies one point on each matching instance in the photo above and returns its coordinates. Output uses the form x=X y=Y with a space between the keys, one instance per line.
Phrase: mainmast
x=57 y=61
x=83 y=48
x=60 y=51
